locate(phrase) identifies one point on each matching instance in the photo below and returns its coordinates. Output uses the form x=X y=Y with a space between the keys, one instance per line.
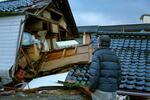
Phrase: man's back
x=105 y=71
x=105 y=68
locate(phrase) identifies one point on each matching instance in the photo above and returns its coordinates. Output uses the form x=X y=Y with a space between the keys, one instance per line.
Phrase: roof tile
x=134 y=54
x=16 y=5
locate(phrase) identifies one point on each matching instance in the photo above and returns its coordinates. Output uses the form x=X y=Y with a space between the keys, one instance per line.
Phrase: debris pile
x=79 y=74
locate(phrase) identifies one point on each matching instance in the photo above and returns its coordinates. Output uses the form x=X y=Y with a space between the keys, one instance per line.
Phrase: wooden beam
x=133 y=93
x=59 y=13
x=50 y=65
x=66 y=56
x=43 y=19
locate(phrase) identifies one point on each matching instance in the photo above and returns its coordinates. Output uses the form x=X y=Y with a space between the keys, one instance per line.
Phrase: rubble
x=50 y=80
x=31 y=34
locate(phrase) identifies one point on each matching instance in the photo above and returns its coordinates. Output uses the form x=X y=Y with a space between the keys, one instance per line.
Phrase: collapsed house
x=30 y=29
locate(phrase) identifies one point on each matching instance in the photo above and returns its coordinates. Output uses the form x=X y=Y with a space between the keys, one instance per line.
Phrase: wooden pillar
x=86 y=38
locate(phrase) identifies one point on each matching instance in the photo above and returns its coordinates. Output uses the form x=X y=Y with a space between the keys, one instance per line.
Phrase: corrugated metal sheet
x=50 y=80
x=9 y=37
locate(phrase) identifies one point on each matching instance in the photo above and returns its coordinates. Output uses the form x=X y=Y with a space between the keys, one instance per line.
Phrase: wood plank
x=47 y=14
x=133 y=93
x=43 y=19
x=70 y=52
x=54 y=55
x=82 y=49
x=50 y=65
x=54 y=28
x=64 y=52
x=60 y=53
x=56 y=11
x=57 y=54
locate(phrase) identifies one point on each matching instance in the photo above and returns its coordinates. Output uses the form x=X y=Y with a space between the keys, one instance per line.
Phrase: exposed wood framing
x=56 y=11
x=63 y=57
x=47 y=66
x=43 y=19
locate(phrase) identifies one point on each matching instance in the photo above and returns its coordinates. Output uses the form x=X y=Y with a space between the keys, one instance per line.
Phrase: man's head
x=104 y=41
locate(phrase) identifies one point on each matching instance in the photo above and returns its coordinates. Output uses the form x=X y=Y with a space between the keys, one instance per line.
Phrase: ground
x=47 y=95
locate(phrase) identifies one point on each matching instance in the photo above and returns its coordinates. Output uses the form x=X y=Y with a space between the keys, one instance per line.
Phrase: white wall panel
x=9 y=36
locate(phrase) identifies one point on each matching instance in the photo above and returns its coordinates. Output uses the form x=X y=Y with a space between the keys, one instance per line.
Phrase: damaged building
x=29 y=30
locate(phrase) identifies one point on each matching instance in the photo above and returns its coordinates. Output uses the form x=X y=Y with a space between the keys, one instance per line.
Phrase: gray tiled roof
x=92 y=29
x=16 y=5
x=134 y=53
x=115 y=28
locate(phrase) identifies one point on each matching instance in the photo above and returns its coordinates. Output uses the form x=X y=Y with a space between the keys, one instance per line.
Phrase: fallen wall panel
x=10 y=30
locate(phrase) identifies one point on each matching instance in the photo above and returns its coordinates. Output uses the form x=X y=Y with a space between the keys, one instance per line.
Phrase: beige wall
x=47 y=14
x=63 y=23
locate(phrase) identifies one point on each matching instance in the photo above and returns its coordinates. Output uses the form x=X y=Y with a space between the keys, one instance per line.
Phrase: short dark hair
x=104 y=40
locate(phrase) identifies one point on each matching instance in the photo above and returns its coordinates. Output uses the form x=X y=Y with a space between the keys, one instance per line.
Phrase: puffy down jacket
x=104 y=71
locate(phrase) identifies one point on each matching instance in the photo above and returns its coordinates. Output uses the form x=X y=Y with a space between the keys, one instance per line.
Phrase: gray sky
x=108 y=12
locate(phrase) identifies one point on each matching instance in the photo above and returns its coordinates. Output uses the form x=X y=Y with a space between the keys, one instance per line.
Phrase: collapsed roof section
x=35 y=7
x=20 y=6
x=35 y=17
